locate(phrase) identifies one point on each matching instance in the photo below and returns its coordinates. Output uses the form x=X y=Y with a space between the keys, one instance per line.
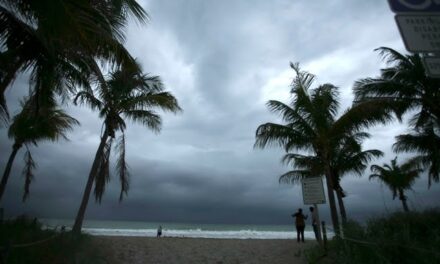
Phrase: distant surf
x=146 y=229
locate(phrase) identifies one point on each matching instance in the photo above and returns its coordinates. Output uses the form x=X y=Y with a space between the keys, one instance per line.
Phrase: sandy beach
x=167 y=250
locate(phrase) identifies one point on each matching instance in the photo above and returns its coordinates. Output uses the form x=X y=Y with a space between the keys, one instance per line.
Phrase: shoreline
x=134 y=250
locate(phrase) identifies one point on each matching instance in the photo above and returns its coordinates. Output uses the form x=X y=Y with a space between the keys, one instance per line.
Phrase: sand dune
x=166 y=250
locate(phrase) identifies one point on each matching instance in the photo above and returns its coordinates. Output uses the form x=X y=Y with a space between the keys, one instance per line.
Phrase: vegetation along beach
x=147 y=131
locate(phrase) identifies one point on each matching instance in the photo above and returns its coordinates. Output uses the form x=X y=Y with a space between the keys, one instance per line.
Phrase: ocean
x=148 y=229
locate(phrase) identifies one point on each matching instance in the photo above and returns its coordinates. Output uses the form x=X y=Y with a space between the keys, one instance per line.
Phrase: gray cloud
x=222 y=60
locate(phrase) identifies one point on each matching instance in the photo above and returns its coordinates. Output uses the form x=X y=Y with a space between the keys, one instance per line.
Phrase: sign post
x=313 y=194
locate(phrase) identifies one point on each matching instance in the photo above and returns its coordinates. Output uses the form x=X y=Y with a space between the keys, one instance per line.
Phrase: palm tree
x=425 y=142
x=347 y=158
x=128 y=94
x=63 y=34
x=312 y=127
x=397 y=178
x=29 y=128
x=405 y=87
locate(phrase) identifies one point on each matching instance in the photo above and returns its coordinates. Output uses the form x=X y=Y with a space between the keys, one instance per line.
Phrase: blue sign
x=411 y=6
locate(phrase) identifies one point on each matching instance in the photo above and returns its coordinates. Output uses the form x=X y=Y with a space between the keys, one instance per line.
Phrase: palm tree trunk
x=7 y=171
x=341 y=206
x=402 y=198
x=339 y=195
x=331 y=201
x=82 y=209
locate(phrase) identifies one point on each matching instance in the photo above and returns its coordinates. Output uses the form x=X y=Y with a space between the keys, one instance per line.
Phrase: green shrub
x=399 y=238
x=17 y=244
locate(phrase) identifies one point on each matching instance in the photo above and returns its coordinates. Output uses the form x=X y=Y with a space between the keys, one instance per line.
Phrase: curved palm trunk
x=402 y=198
x=331 y=200
x=82 y=209
x=342 y=211
x=7 y=171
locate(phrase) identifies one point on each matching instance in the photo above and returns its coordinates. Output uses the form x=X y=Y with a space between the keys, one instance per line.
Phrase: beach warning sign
x=313 y=190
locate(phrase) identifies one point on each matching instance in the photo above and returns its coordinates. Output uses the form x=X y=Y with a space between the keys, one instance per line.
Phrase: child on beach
x=300 y=224
x=159 y=231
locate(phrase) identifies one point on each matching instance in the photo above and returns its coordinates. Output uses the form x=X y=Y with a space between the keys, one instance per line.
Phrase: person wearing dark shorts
x=159 y=231
x=315 y=223
x=300 y=224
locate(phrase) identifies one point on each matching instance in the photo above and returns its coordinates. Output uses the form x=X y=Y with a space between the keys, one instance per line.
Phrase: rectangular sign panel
x=420 y=33
x=432 y=66
x=313 y=190
x=406 y=6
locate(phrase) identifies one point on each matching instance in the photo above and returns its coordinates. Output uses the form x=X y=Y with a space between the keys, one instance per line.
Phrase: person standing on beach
x=300 y=224
x=159 y=231
x=315 y=222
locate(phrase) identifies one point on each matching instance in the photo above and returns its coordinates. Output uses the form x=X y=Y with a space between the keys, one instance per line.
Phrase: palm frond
x=362 y=116
x=303 y=80
x=425 y=143
x=163 y=100
x=122 y=167
x=28 y=172
x=131 y=6
x=325 y=99
x=289 y=115
x=294 y=176
x=103 y=172
x=4 y=114
x=87 y=97
x=147 y=118
x=391 y=56
x=271 y=134
x=48 y=123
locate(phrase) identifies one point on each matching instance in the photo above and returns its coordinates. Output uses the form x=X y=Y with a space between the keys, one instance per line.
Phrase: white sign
x=432 y=65
x=313 y=190
x=420 y=33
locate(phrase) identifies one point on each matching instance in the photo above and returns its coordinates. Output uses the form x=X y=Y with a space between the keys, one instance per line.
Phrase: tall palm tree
x=29 y=128
x=397 y=178
x=348 y=158
x=312 y=126
x=68 y=33
x=405 y=87
x=127 y=95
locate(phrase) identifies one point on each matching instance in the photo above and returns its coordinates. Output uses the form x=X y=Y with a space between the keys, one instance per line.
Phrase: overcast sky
x=223 y=60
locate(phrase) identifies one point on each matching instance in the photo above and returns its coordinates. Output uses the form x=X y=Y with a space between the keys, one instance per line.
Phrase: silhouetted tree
x=311 y=125
x=59 y=41
x=28 y=128
x=397 y=178
x=404 y=87
x=127 y=95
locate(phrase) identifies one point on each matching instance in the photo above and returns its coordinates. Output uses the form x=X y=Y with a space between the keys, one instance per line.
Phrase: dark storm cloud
x=222 y=60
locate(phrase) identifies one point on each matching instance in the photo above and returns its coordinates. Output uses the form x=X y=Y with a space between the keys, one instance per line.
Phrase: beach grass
x=24 y=240
x=399 y=238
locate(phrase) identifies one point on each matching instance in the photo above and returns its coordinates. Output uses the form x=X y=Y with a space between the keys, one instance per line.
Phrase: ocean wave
x=197 y=233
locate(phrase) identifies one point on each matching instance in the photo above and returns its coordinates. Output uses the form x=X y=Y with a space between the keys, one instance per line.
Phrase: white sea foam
x=198 y=233
x=146 y=229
